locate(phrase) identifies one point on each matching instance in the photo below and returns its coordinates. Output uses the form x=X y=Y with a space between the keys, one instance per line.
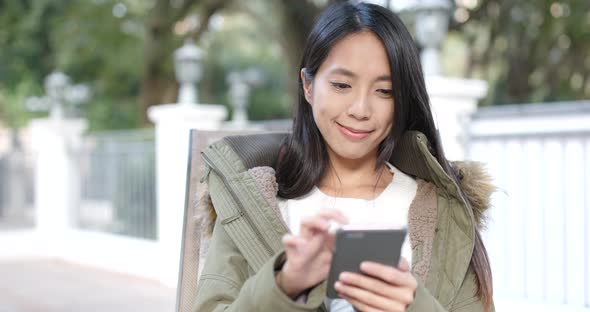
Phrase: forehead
x=362 y=53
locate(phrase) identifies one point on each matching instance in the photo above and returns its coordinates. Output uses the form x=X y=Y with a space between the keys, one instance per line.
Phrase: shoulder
x=254 y=150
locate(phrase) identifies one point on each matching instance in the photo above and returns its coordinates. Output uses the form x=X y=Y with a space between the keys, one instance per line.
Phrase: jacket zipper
x=243 y=211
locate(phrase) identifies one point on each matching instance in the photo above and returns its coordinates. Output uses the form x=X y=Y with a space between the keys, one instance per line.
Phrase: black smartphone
x=352 y=247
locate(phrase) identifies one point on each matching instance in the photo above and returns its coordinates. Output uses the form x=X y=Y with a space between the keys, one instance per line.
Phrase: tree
x=532 y=51
x=25 y=54
x=122 y=47
x=295 y=21
x=529 y=51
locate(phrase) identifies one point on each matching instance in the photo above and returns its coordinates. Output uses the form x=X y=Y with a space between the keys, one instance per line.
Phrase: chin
x=351 y=152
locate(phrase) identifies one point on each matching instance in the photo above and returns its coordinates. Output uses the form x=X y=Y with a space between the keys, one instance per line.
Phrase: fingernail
x=344 y=277
x=338 y=285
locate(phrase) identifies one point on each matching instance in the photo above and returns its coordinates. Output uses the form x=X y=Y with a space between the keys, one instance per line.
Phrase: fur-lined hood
x=477 y=185
x=474 y=179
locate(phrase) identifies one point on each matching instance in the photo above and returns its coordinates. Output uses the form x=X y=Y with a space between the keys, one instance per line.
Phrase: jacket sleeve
x=225 y=284
x=465 y=301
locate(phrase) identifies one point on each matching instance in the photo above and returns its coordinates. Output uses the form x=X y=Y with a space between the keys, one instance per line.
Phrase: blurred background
x=97 y=96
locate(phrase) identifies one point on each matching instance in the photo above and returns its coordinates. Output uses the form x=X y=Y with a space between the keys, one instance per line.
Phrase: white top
x=388 y=210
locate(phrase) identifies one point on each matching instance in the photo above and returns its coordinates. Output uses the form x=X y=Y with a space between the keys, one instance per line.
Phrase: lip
x=353 y=133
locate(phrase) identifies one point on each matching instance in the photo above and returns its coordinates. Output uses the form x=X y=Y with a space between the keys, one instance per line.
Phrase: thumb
x=404 y=265
x=291 y=242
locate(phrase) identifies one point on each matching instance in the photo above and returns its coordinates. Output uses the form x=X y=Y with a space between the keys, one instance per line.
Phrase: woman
x=364 y=149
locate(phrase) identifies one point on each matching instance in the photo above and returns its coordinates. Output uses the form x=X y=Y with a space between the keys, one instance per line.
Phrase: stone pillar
x=57 y=178
x=453 y=102
x=173 y=122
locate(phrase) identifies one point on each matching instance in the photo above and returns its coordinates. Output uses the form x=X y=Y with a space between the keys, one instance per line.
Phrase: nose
x=360 y=108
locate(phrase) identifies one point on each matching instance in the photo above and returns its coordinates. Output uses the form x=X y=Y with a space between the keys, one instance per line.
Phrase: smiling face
x=351 y=97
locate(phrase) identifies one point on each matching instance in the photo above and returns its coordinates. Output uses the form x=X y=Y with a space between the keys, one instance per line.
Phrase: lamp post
x=173 y=123
x=57 y=141
x=188 y=68
x=431 y=25
x=240 y=84
x=60 y=92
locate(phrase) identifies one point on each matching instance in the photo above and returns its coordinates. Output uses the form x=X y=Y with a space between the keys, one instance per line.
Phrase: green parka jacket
x=245 y=248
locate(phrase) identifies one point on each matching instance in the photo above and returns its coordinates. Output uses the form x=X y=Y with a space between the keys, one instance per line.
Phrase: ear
x=306 y=86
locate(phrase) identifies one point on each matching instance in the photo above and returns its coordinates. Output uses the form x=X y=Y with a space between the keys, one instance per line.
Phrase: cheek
x=325 y=104
x=387 y=117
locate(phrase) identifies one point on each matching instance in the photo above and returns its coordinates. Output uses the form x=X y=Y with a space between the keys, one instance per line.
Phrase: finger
x=369 y=300
x=388 y=274
x=359 y=305
x=404 y=265
x=287 y=240
x=365 y=282
x=309 y=225
x=292 y=242
x=333 y=214
x=400 y=294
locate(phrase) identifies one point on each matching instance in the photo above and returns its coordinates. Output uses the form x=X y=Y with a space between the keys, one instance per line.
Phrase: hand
x=381 y=288
x=309 y=254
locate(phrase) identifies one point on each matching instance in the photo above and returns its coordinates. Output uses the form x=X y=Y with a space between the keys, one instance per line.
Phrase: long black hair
x=304 y=159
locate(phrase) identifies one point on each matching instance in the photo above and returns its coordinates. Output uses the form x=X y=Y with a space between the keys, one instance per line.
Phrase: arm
x=225 y=284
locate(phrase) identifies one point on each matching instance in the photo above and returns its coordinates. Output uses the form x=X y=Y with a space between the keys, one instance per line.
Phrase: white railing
x=16 y=183
x=118 y=183
x=539 y=234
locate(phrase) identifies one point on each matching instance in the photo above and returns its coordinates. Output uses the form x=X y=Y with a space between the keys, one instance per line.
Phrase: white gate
x=539 y=237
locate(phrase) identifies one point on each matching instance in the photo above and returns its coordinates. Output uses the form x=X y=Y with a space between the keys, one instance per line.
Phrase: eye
x=385 y=92
x=339 y=85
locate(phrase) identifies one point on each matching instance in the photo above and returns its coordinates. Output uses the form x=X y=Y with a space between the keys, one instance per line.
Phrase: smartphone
x=352 y=247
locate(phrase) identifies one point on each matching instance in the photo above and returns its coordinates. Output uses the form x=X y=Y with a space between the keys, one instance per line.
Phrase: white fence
x=112 y=224
x=538 y=238
x=118 y=183
x=16 y=182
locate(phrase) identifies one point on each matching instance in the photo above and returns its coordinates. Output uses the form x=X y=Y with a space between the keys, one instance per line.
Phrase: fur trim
x=478 y=187
x=205 y=215
x=422 y=218
x=267 y=183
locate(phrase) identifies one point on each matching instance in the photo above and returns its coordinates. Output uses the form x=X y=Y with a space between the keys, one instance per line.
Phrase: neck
x=352 y=173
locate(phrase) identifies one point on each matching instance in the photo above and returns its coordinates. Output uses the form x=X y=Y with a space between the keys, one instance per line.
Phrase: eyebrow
x=346 y=72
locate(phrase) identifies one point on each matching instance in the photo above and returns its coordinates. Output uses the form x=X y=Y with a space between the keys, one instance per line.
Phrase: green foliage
x=12 y=108
x=529 y=51
x=238 y=45
x=81 y=38
x=107 y=113
x=94 y=46
x=26 y=53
